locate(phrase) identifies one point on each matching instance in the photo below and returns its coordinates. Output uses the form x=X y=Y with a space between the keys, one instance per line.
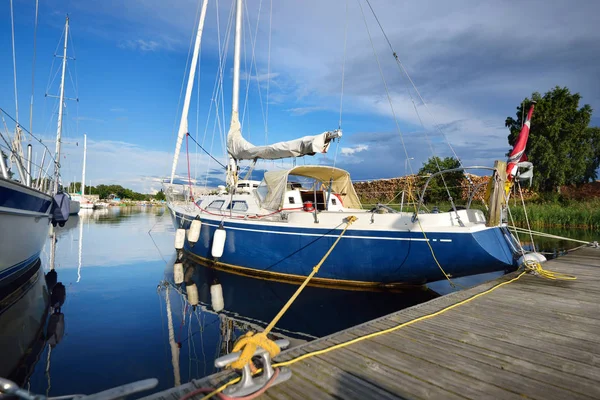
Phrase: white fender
x=178 y=273
x=192 y=293
x=179 y=238
x=216 y=297
x=193 y=234
x=218 y=244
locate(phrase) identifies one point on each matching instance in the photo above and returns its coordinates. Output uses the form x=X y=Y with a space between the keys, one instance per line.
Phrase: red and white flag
x=518 y=152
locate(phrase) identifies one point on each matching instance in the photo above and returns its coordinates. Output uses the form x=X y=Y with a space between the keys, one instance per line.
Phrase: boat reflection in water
x=31 y=319
x=212 y=308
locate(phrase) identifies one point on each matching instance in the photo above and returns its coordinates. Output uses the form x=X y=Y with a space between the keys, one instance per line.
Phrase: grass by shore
x=566 y=214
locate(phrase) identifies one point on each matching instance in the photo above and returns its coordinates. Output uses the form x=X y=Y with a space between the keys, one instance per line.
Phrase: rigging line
x=222 y=96
x=215 y=91
x=217 y=88
x=14 y=57
x=197 y=112
x=337 y=145
x=3 y=112
x=54 y=60
x=222 y=135
x=33 y=65
x=204 y=150
x=401 y=66
x=416 y=109
x=387 y=91
x=185 y=71
x=253 y=61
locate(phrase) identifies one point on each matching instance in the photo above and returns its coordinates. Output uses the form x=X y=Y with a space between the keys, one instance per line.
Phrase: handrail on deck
x=422 y=197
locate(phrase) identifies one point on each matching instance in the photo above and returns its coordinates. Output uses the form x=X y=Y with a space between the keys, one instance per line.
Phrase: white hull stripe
x=321 y=235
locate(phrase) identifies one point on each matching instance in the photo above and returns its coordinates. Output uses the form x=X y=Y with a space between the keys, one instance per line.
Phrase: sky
x=471 y=61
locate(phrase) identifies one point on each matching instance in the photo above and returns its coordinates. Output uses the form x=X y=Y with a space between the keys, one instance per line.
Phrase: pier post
x=495 y=194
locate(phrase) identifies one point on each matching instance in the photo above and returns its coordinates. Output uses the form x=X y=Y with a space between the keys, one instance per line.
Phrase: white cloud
x=348 y=151
x=127 y=164
x=142 y=45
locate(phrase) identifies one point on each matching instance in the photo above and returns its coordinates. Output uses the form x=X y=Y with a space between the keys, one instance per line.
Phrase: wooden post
x=496 y=193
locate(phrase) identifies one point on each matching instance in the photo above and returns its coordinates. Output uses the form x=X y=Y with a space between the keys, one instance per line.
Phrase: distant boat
x=28 y=207
x=74 y=206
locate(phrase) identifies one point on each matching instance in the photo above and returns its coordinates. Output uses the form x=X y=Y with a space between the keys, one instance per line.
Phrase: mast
x=60 y=109
x=172 y=342
x=83 y=172
x=183 y=124
x=235 y=123
x=235 y=98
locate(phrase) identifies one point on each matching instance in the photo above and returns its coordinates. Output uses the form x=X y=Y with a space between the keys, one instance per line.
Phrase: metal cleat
x=249 y=384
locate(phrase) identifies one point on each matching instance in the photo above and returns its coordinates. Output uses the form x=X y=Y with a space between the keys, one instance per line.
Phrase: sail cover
x=240 y=149
x=276 y=184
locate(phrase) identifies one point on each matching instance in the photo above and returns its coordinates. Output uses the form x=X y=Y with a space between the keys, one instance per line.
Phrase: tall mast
x=236 y=62
x=83 y=172
x=60 y=109
x=183 y=124
x=235 y=98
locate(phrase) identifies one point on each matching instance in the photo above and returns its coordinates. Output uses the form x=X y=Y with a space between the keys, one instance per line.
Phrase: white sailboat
x=277 y=228
x=85 y=204
x=28 y=206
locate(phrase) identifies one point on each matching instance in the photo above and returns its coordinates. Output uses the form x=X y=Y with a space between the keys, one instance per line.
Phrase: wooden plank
x=538 y=372
x=413 y=376
x=541 y=316
x=509 y=336
x=483 y=372
x=338 y=382
x=547 y=358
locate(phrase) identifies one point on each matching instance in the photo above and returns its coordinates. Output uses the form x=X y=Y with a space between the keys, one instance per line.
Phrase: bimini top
x=276 y=184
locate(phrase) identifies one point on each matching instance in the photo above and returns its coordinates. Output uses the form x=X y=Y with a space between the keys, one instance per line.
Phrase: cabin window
x=238 y=205
x=255 y=185
x=198 y=203
x=291 y=200
x=216 y=205
x=334 y=202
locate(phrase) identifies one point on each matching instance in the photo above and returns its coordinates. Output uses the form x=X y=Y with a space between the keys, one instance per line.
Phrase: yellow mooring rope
x=251 y=340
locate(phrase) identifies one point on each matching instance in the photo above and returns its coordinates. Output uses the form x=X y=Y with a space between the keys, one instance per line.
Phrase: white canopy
x=276 y=183
x=240 y=149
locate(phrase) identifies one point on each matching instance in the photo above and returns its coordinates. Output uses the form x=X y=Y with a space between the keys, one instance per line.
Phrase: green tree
x=160 y=196
x=436 y=191
x=561 y=145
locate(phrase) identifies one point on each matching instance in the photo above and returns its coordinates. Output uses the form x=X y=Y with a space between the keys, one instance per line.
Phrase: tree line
x=105 y=191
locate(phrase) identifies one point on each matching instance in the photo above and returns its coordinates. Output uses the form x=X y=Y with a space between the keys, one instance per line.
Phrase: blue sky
x=472 y=61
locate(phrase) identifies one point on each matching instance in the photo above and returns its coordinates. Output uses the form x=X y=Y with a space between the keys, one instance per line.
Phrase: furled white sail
x=240 y=149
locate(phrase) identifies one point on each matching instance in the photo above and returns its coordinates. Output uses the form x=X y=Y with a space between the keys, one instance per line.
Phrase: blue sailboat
x=280 y=227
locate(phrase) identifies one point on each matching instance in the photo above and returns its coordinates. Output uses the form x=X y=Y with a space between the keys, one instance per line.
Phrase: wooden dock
x=532 y=338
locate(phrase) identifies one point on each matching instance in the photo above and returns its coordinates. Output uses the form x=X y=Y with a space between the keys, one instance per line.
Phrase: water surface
x=124 y=319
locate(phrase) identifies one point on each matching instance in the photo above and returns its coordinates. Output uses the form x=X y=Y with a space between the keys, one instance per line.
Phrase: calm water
x=125 y=320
